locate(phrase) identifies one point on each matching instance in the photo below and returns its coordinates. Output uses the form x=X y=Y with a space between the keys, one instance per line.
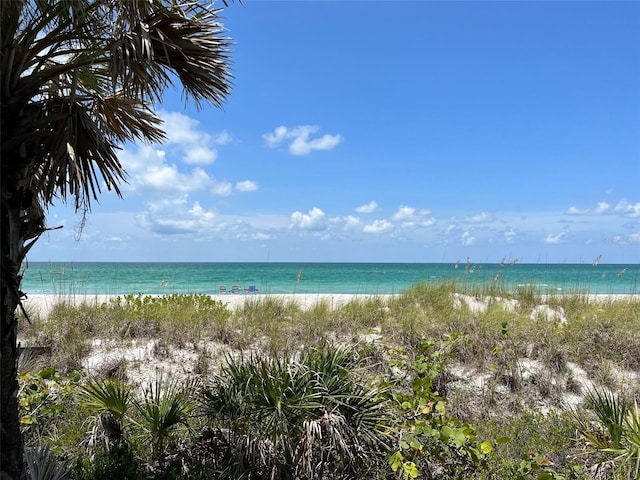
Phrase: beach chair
x=235 y=289
x=252 y=289
x=223 y=290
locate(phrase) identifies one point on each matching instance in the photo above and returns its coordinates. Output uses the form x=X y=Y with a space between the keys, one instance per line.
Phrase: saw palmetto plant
x=304 y=417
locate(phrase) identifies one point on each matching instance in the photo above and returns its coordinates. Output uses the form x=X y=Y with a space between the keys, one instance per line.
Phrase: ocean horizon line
x=314 y=262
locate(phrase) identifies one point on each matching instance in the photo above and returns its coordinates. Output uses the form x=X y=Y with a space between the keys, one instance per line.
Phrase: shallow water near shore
x=96 y=278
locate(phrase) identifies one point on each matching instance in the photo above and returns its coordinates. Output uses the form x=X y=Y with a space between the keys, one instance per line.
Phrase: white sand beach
x=41 y=304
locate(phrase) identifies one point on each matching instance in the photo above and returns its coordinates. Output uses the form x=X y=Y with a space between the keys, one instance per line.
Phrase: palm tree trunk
x=12 y=221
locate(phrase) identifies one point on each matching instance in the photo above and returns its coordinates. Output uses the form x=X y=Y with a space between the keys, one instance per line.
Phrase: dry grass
x=523 y=360
x=501 y=329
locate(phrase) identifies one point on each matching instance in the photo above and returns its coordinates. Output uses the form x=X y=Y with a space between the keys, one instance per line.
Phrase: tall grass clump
x=67 y=331
x=43 y=465
x=318 y=324
x=423 y=310
x=529 y=431
x=602 y=329
x=268 y=323
x=360 y=314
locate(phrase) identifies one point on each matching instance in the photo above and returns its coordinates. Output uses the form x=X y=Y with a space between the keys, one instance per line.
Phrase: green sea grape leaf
x=486 y=447
x=410 y=469
x=395 y=461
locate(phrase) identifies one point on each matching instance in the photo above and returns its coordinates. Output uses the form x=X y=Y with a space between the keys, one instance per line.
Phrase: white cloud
x=180 y=128
x=351 y=222
x=301 y=143
x=246 y=186
x=509 y=235
x=185 y=133
x=278 y=135
x=600 y=209
x=149 y=170
x=577 y=211
x=200 y=156
x=603 y=208
x=411 y=217
x=223 y=189
x=314 y=220
x=157 y=175
x=174 y=216
x=370 y=207
x=554 y=239
x=261 y=236
x=631 y=239
x=200 y=213
x=404 y=213
x=480 y=217
x=628 y=209
x=348 y=223
x=179 y=216
x=222 y=138
x=468 y=239
x=379 y=226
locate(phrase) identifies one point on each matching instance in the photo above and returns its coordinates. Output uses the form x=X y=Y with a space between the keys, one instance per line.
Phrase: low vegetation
x=433 y=383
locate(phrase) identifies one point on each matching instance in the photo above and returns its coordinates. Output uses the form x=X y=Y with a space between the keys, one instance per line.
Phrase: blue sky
x=373 y=131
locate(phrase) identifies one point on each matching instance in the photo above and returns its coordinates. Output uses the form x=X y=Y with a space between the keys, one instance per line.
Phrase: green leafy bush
x=431 y=442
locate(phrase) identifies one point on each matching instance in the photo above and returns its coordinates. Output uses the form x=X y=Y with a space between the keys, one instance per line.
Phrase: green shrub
x=117 y=463
x=304 y=418
x=431 y=442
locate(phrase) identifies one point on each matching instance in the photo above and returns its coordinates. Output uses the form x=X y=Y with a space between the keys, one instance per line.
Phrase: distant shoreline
x=42 y=304
x=302 y=263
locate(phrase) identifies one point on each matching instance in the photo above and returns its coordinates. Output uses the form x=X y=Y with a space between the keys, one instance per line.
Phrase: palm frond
x=42 y=465
x=611 y=411
x=186 y=41
x=75 y=155
x=126 y=119
x=109 y=395
x=167 y=404
x=628 y=455
x=81 y=76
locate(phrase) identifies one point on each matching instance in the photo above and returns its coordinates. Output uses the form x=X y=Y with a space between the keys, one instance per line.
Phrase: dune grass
x=523 y=363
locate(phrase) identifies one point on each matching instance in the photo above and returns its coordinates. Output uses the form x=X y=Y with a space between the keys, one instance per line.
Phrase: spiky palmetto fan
x=611 y=410
x=629 y=455
x=43 y=465
x=616 y=433
x=111 y=399
x=78 y=78
x=109 y=395
x=304 y=419
x=166 y=406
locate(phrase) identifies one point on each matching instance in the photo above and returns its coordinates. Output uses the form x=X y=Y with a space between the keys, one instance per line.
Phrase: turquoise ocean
x=94 y=278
